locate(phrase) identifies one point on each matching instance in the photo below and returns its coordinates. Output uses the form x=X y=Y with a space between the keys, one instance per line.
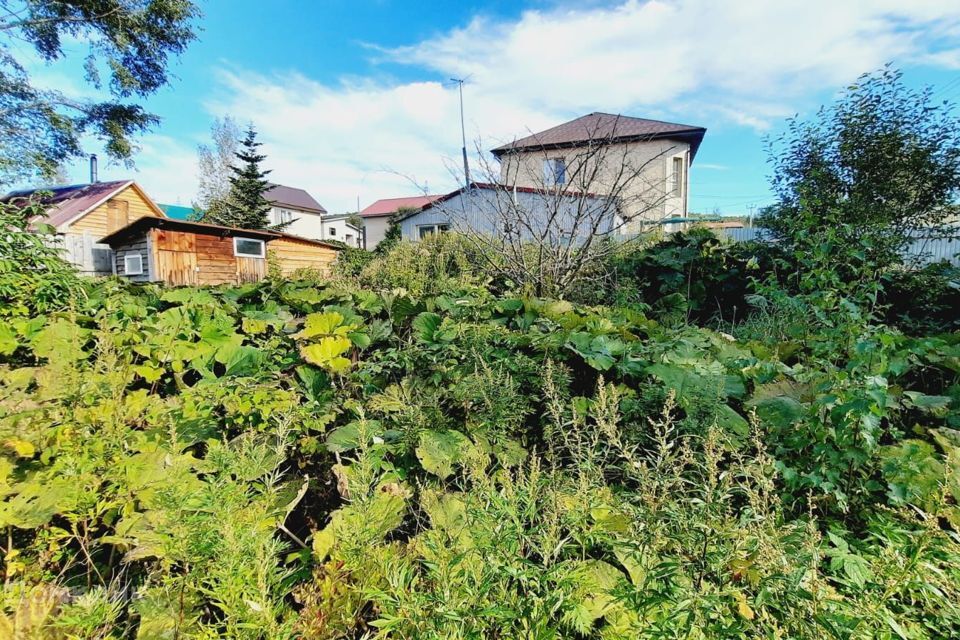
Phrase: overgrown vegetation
x=298 y=460
x=742 y=443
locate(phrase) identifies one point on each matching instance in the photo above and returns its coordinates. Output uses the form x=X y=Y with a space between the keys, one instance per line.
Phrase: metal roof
x=610 y=127
x=142 y=225
x=389 y=206
x=292 y=197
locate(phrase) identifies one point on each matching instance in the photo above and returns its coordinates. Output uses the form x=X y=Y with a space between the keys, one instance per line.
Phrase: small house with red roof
x=376 y=217
x=84 y=213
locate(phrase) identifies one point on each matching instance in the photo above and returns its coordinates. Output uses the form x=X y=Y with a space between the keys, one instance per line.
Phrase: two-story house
x=296 y=208
x=307 y=218
x=642 y=163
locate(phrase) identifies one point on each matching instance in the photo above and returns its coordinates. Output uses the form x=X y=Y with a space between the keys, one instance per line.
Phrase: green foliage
x=351 y=261
x=244 y=207
x=129 y=45
x=690 y=276
x=435 y=264
x=428 y=458
x=858 y=182
x=33 y=276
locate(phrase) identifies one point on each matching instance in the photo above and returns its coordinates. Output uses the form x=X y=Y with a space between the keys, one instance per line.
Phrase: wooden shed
x=179 y=252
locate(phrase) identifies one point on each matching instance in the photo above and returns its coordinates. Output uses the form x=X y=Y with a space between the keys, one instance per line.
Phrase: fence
x=89 y=257
x=928 y=250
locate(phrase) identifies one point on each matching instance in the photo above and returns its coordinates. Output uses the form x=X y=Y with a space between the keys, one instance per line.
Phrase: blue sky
x=351 y=97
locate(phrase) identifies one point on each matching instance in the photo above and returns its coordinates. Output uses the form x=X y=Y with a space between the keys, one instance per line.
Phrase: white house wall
x=375 y=229
x=305 y=224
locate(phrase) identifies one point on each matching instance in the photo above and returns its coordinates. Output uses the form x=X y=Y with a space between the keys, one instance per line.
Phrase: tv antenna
x=463 y=132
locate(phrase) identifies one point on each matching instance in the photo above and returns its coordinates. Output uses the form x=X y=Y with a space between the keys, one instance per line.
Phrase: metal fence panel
x=929 y=250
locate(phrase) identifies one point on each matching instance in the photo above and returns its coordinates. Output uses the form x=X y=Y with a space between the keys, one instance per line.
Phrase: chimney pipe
x=93 y=168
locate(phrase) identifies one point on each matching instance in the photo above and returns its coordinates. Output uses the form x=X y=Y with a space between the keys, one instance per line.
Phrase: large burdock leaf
x=239 y=359
x=429 y=327
x=8 y=339
x=35 y=502
x=328 y=353
x=323 y=324
x=345 y=438
x=61 y=340
x=438 y=451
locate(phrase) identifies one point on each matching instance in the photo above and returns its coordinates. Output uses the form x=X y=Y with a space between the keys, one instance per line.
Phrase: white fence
x=89 y=257
x=929 y=250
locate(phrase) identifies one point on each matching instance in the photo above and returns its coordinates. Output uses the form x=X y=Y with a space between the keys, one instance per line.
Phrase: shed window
x=133 y=264
x=249 y=248
x=429 y=229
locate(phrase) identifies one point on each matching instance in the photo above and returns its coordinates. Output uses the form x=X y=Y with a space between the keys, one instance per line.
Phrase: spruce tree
x=245 y=206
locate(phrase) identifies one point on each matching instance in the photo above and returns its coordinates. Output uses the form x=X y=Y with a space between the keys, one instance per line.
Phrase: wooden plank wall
x=185 y=258
x=117 y=212
x=215 y=258
x=85 y=253
x=292 y=254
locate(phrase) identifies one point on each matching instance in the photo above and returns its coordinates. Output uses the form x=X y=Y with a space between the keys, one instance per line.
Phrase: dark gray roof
x=292 y=197
x=605 y=126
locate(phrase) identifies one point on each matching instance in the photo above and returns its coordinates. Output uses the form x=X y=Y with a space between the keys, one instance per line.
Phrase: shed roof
x=607 y=127
x=293 y=197
x=177 y=211
x=142 y=225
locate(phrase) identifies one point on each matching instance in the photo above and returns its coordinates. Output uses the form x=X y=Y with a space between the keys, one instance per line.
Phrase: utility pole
x=463 y=133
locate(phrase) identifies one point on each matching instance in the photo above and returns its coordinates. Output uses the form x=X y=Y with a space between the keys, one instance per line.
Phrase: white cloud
x=737 y=63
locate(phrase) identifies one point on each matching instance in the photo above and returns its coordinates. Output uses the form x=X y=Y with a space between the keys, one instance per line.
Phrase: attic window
x=133 y=264
x=249 y=248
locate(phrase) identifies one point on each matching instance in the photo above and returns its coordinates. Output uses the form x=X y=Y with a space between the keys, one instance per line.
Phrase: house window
x=133 y=264
x=676 y=186
x=554 y=172
x=333 y=231
x=349 y=238
x=284 y=216
x=429 y=229
x=249 y=248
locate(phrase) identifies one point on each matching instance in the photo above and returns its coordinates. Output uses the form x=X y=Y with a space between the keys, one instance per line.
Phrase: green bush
x=33 y=275
x=430 y=266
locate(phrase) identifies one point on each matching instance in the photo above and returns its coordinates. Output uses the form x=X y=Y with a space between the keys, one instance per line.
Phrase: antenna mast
x=463 y=133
